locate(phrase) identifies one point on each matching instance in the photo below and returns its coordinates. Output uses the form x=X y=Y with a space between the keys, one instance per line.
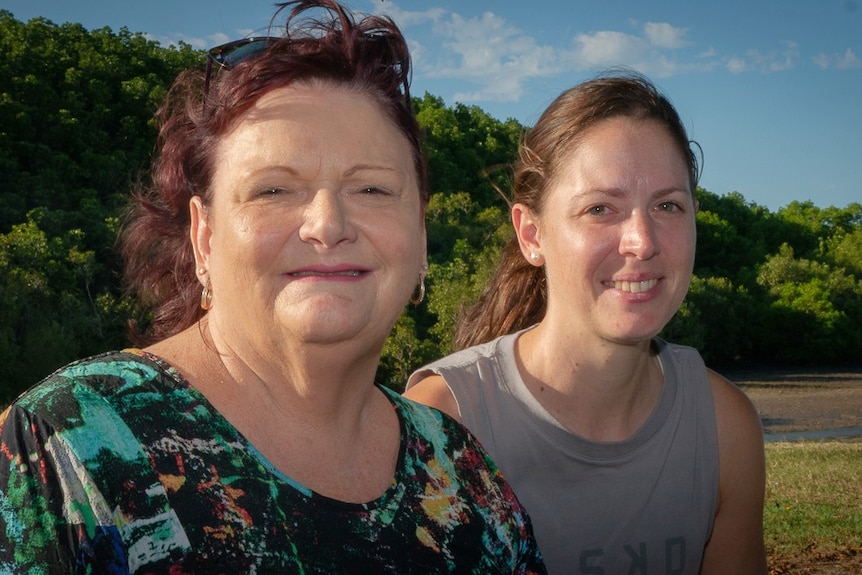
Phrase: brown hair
x=516 y=296
x=369 y=56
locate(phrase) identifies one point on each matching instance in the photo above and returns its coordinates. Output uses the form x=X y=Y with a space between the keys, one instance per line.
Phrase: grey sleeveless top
x=641 y=506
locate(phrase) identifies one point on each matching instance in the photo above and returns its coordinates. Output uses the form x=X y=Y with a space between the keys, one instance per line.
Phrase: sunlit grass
x=813 y=499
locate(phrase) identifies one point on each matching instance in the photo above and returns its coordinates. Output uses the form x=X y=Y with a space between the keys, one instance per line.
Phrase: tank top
x=644 y=505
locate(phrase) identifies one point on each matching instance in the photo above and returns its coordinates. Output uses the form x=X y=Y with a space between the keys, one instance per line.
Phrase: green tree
x=51 y=313
x=76 y=110
x=466 y=149
x=716 y=318
x=733 y=236
x=815 y=313
x=844 y=250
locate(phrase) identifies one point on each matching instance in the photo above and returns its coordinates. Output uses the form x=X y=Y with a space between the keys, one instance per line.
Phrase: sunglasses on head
x=228 y=55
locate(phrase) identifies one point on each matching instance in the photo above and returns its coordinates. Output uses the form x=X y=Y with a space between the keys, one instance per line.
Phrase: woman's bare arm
x=736 y=545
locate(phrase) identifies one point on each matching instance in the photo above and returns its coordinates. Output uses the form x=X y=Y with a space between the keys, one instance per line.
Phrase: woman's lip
x=343 y=271
x=317 y=273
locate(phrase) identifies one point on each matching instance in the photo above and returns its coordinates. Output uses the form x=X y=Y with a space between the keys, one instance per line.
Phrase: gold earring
x=417 y=299
x=207 y=296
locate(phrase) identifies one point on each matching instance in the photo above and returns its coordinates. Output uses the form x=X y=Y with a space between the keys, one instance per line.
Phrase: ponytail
x=514 y=299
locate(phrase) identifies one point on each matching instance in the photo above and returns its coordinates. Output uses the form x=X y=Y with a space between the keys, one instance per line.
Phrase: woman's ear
x=200 y=232
x=527 y=229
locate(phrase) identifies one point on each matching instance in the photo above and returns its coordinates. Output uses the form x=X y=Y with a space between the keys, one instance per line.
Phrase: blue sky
x=771 y=89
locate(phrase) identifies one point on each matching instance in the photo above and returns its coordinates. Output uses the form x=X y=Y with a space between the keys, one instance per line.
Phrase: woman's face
x=617 y=232
x=315 y=232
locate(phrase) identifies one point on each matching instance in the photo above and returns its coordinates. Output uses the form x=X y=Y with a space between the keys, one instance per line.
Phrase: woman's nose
x=639 y=237
x=326 y=221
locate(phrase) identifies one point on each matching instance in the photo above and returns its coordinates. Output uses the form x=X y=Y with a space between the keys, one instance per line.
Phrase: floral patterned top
x=114 y=464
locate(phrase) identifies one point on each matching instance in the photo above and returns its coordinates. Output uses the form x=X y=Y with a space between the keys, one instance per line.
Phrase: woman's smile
x=632 y=286
x=333 y=273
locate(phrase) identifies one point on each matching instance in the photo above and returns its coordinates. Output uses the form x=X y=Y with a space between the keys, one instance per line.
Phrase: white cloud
x=494 y=59
x=846 y=61
x=194 y=42
x=407 y=18
x=606 y=48
x=736 y=65
x=652 y=51
x=499 y=58
x=664 y=35
x=215 y=39
x=777 y=60
x=220 y=38
x=488 y=52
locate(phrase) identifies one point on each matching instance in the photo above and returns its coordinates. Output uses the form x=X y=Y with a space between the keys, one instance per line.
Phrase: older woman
x=630 y=455
x=282 y=238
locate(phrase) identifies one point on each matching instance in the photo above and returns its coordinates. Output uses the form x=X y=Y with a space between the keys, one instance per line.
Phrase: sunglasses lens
x=231 y=55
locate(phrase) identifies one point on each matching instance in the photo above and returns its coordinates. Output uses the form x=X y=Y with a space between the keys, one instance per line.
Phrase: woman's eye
x=373 y=195
x=598 y=210
x=669 y=207
x=373 y=191
x=280 y=195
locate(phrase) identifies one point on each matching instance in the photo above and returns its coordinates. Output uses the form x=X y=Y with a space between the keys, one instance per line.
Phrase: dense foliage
x=76 y=129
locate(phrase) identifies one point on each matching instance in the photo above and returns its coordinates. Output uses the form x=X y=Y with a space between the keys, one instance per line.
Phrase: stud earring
x=534 y=256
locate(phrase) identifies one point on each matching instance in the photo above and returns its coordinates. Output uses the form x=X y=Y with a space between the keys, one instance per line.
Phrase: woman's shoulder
x=436 y=441
x=469 y=360
x=678 y=353
x=418 y=415
x=430 y=425
x=734 y=410
x=735 y=413
x=128 y=364
x=94 y=384
x=466 y=357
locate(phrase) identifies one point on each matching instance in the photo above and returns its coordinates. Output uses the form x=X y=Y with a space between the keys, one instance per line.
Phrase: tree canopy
x=76 y=130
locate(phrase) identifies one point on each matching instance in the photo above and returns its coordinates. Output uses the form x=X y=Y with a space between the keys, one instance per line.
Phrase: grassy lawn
x=813 y=509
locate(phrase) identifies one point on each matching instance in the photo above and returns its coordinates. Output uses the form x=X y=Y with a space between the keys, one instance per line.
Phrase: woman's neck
x=599 y=390
x=315 y=418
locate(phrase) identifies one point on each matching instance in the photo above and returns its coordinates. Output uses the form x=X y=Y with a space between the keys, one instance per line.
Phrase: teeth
x=635 y=287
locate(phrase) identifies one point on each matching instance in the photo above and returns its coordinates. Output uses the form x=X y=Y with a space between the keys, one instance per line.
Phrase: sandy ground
x=798 y=401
